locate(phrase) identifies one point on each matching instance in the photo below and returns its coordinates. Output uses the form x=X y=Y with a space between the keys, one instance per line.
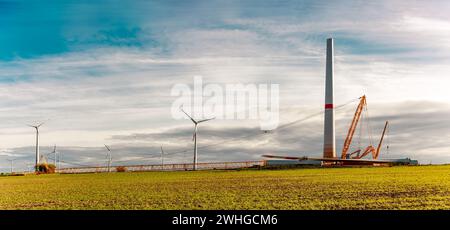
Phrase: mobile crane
x=348 y=140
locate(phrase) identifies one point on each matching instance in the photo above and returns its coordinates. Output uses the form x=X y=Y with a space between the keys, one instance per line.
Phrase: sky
x=101 y=72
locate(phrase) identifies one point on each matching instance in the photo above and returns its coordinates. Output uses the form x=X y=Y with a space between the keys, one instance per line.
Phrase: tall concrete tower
x=329 y=141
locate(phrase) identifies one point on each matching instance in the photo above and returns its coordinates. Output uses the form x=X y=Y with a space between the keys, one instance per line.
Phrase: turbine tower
x=37 y=142
x=329 y=142
x=162 y=158
x=194 y=136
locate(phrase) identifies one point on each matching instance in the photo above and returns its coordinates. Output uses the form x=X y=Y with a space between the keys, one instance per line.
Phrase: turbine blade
x=192 y=119
x=206 y=120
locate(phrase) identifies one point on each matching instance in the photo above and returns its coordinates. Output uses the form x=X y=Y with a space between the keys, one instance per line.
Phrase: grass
x=419 y=187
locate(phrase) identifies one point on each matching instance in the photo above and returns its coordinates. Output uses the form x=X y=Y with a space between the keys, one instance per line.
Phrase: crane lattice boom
x=351 y=130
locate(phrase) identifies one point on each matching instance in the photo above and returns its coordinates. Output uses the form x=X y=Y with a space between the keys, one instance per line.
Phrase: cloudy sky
x=101 y=72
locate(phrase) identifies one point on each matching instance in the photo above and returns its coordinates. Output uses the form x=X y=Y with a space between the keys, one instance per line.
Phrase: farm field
x=402 y=187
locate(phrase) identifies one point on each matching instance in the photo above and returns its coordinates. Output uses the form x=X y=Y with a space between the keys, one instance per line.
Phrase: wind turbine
x=162 y=158
x=37 y=141
x=194 y=136
x=12 y=164
x=109 y=157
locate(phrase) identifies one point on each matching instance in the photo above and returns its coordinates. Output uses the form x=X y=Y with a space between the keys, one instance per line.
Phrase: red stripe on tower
x=328 y=106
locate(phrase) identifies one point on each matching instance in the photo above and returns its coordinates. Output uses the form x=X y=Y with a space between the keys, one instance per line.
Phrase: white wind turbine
x=11 y=164
x=37 y=142
x=11 y=160
x=194 y=137
x=109 y=157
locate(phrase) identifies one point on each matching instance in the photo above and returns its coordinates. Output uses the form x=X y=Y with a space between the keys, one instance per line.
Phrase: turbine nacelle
x=36 y=126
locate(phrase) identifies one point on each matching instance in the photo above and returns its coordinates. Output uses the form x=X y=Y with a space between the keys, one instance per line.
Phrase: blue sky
x=101 y=72
x=31 y=29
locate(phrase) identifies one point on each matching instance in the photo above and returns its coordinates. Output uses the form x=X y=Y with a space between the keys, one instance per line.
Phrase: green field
x=414 y=187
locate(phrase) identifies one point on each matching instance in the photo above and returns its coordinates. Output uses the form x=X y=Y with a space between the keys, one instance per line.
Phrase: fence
x=166 y=167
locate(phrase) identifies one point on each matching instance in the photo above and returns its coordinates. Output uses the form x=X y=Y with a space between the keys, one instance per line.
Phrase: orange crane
x=377 y=153
x=351 y=131
x=370 y=148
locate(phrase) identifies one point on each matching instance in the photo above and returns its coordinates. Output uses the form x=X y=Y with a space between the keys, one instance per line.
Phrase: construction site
x=360 y=120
